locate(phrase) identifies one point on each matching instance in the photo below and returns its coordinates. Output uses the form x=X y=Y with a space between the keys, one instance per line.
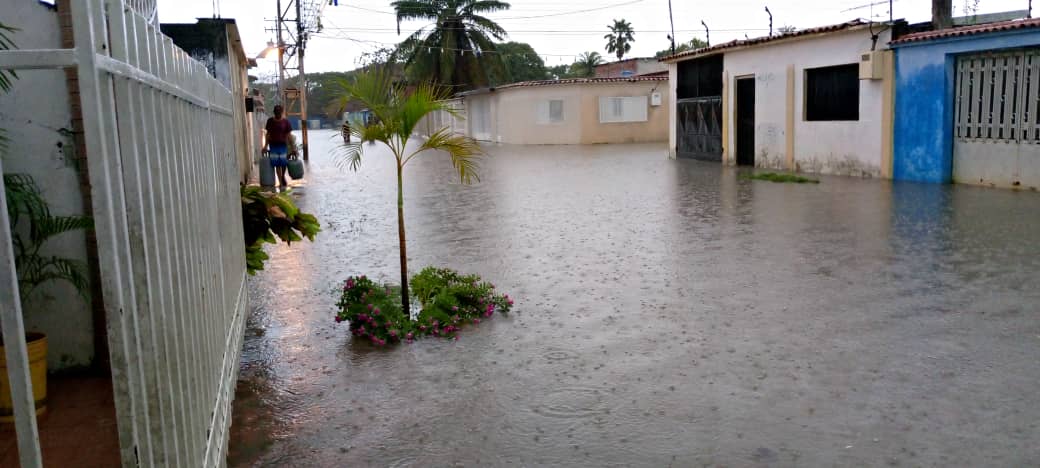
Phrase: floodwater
x=669 y=313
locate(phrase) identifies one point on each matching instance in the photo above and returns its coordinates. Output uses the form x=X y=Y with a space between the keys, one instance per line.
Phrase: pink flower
x=454 y=308
x=410 y=336
x=350 y=283
x=362 y=317
x=510 y=302
x=476 y=321
x=422 y=327
x=393 y=333
x=375 y=311
x=339 y=319
x=370 y=307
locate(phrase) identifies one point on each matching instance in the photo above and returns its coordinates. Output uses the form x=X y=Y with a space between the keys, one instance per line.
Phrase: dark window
x=832 y=93
x=700 y=77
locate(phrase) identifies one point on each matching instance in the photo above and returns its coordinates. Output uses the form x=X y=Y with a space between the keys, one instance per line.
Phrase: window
x=550 y=111
x=622 y=109
x=832 y=93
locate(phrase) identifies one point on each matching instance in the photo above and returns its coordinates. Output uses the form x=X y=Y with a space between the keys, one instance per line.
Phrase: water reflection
x=669 y=313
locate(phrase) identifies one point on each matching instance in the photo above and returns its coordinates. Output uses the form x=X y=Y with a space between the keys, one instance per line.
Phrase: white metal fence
x=164 y=182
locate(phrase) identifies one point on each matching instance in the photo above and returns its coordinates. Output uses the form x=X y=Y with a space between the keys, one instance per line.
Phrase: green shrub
x=449 y=302
x=267 y=217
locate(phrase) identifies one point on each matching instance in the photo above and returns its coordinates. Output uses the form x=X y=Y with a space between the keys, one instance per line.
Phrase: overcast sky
x=557 y=29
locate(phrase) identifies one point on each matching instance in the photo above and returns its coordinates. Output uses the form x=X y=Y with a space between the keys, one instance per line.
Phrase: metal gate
x=699 y=128
x=164 y=183
x=997 y=122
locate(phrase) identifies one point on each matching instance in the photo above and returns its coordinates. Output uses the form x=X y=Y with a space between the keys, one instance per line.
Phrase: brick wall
x=97 y=305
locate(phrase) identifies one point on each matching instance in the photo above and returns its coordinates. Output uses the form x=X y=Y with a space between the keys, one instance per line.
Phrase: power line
x=548 y=15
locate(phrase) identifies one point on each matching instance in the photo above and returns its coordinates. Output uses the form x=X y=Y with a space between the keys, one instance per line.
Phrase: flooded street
x=669 y=313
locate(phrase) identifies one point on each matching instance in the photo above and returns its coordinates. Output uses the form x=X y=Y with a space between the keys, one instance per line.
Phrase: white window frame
x=623 y=109
x=544 y=114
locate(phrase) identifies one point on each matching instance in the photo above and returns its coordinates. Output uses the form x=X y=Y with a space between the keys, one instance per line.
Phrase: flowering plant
x=449 y=302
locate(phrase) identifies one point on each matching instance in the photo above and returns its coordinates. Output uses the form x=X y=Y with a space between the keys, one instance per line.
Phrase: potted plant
x=32 y=226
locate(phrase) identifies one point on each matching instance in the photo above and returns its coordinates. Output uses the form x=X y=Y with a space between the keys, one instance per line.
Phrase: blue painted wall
x=923 y=140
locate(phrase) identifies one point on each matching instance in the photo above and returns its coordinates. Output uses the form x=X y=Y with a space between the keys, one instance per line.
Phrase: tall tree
x=585 y=66
x=620 y=39
x=397 y=112
x=521 y=63
x=457 y=49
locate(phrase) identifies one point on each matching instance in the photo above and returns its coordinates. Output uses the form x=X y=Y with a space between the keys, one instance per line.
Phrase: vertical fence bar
x=15 y=351
x=107 y=205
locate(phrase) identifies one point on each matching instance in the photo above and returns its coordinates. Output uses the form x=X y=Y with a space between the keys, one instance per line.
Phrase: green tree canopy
x=693 y=44
x=620 y=39
x=458 y=48
x=521 y=62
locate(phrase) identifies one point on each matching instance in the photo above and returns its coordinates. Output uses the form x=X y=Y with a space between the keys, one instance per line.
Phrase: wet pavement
x=669 y=313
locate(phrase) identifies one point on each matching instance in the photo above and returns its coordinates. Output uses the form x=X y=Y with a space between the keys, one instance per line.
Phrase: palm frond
x=46 y=228
x=36 y=270
x=7 y=76
x=488 y=26
x=464 y=152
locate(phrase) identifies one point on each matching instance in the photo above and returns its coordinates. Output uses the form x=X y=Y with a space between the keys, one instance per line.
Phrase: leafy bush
x=449 y=302
x=267 y=215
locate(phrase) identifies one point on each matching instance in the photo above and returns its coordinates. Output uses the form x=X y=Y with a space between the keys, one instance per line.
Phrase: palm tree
x=396 y=113
x=620 y=39
x=459 y=45
x=586 y=64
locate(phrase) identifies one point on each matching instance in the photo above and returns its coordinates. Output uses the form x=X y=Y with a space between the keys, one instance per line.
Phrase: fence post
x=14 y=347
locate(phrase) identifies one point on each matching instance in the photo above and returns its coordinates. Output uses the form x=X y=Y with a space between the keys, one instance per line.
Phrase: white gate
x=164 y=182
x=997 y=122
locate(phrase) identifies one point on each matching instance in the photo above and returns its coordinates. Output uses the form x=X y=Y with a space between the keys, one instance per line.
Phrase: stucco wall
x=838 y=147
x=37 y=118
x=514 y=114
x=923 y=141
x=655 y=129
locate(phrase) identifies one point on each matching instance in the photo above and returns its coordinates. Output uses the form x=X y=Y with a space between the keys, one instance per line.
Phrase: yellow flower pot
x=37 y=347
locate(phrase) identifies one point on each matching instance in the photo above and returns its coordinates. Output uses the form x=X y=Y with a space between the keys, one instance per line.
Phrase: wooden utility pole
x=942 y=14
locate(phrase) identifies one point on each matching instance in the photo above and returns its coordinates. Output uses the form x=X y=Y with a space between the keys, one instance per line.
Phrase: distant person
x=278 y=131
x=346 y=132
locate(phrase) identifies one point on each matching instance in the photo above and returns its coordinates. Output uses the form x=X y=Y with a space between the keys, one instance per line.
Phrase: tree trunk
x=400 y=234
x=942 y=14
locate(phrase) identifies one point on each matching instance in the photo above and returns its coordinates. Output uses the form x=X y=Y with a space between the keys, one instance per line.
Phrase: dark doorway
x=746 y=121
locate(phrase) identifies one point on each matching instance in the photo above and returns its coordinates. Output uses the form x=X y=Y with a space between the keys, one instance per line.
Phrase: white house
x=817 y=100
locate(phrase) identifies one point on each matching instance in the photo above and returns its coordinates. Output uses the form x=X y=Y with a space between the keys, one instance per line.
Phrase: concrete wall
x=37 y=117
x=783 y=138
x=924 y=101
x=513 y=114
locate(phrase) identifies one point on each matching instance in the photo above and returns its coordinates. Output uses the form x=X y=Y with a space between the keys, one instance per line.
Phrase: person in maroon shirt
x=278 y=130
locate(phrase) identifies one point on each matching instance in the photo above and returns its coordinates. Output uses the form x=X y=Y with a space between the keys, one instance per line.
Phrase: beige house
x=562 y=112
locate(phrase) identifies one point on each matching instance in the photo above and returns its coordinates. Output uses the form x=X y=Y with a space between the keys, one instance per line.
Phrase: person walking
x=278 y=131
